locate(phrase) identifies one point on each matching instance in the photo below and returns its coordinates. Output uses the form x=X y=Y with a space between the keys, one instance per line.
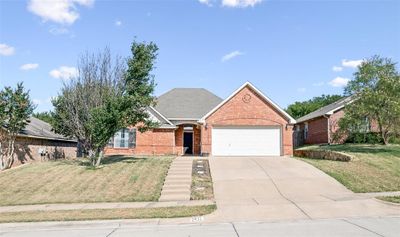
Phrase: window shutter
x=132 y=138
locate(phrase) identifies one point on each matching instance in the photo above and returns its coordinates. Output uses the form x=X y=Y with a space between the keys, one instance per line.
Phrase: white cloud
x=231 y=55
x=339 y=82
x=351 y=63
x=6 y=50
x=318 y=84
x=301 y=90
x=64 y=72
x=29 y=66
x=118 y=23
x=337 y=69
x=36 y=101
x=59 y=11
x=206 y=2
x=240 y=3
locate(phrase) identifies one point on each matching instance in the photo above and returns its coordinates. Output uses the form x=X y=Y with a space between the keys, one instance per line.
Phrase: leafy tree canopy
x=15 y=111
x=376 y=92
x=107 y=95
x=299 y=109
x=44 y=116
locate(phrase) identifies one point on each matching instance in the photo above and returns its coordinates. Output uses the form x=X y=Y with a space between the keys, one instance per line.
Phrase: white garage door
x=246 y=141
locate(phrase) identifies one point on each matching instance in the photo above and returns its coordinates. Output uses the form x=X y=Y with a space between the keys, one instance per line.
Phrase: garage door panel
x=246 y=141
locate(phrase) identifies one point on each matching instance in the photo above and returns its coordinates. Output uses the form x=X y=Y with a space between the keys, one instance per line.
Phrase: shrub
x=370 y=138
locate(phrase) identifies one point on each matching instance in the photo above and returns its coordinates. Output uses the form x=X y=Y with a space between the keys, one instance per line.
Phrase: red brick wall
x=27 y=150
x=255 y=112
x=179 y=140
x=317 y=131
x=153 y=142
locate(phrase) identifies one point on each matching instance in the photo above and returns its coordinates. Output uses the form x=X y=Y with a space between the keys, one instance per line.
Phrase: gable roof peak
x=266 y=98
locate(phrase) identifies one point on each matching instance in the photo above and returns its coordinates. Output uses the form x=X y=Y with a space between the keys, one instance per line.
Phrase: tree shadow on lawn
x=85 y=162
x=371 y=149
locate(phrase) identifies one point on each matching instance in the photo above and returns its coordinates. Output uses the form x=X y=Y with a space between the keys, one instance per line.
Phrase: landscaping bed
x=119 y=179
x=373 y=168
x=202 y=187
x=106 y=214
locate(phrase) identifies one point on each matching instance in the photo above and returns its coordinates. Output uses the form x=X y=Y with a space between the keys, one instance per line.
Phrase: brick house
x=37 y=142
x=319 y=126
x=195 y=121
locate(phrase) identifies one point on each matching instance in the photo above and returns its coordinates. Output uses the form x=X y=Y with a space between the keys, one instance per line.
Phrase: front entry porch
x=187 y=139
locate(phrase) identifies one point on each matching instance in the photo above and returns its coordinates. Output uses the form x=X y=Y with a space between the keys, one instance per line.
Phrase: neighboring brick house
x=37 y=142
x=318 y=127
x=195 y=121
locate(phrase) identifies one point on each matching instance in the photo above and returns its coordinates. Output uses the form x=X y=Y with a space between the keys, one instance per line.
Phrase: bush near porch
x=119 y=179
x=373 y=168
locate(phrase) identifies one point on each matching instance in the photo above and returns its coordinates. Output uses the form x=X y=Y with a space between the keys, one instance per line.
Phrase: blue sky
x=290 y=50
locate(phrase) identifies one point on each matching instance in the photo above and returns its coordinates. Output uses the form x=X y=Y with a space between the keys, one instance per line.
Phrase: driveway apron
x=282 y=188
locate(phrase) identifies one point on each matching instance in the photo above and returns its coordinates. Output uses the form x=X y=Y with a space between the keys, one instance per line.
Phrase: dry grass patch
x=119 y=179
x=202 y=187
x=374 y=168
x=106 y=214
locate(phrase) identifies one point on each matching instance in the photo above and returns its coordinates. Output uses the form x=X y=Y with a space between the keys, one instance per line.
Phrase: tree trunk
x=99 y=157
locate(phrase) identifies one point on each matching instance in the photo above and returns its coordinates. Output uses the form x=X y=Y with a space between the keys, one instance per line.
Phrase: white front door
x=246 y=141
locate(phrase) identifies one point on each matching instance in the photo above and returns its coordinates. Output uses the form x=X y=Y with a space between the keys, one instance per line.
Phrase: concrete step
x=179 y=173
x=177 y=182
x=175 y=197
x=176 y=186
x=175 y=192
x=180 y=176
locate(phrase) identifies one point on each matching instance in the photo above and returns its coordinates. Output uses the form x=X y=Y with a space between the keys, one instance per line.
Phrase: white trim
x=291 y=120
x=162 y=116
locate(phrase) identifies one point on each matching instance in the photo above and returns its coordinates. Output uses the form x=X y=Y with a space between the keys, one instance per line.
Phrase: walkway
x=178 y=181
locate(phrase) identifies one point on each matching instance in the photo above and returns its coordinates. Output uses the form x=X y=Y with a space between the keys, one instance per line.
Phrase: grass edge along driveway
x=375 y=168
x=119 y=179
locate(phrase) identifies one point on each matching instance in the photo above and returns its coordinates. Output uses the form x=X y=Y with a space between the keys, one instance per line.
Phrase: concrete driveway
x=282 y=188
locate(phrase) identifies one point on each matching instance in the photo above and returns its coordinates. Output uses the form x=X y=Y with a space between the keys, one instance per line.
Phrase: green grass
x=119 y=179
x=374 y=168
x=106 y=214
x=395 y=199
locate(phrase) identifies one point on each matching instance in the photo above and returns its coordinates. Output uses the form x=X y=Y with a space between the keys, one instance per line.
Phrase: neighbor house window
x=124 y=138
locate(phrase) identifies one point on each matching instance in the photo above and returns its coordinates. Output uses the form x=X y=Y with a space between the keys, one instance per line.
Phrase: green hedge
x=369 y=138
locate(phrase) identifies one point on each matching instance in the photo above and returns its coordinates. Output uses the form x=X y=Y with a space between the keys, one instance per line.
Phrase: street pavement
x=377 y=226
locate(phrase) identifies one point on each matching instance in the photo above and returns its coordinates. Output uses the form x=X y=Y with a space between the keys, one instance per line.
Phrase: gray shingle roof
x=41 y=129
x=186 y=103
x=325 y=110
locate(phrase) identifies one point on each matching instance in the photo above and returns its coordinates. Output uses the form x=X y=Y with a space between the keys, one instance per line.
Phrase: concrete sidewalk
x=105 y=205
x=386 y=226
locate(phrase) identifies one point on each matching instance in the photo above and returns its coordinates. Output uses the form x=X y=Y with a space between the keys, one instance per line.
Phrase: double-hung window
x=124 y=138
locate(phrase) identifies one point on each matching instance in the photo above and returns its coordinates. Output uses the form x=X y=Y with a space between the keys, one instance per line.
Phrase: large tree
x=299 y=109
x=46 y=116
x=105 y=97
x=15 y=111
x=376 y=92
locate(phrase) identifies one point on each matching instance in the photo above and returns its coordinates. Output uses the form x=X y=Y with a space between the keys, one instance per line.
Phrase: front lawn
x=120 y=179
x=106 y=214
x=375 y=168
x=395 y=199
